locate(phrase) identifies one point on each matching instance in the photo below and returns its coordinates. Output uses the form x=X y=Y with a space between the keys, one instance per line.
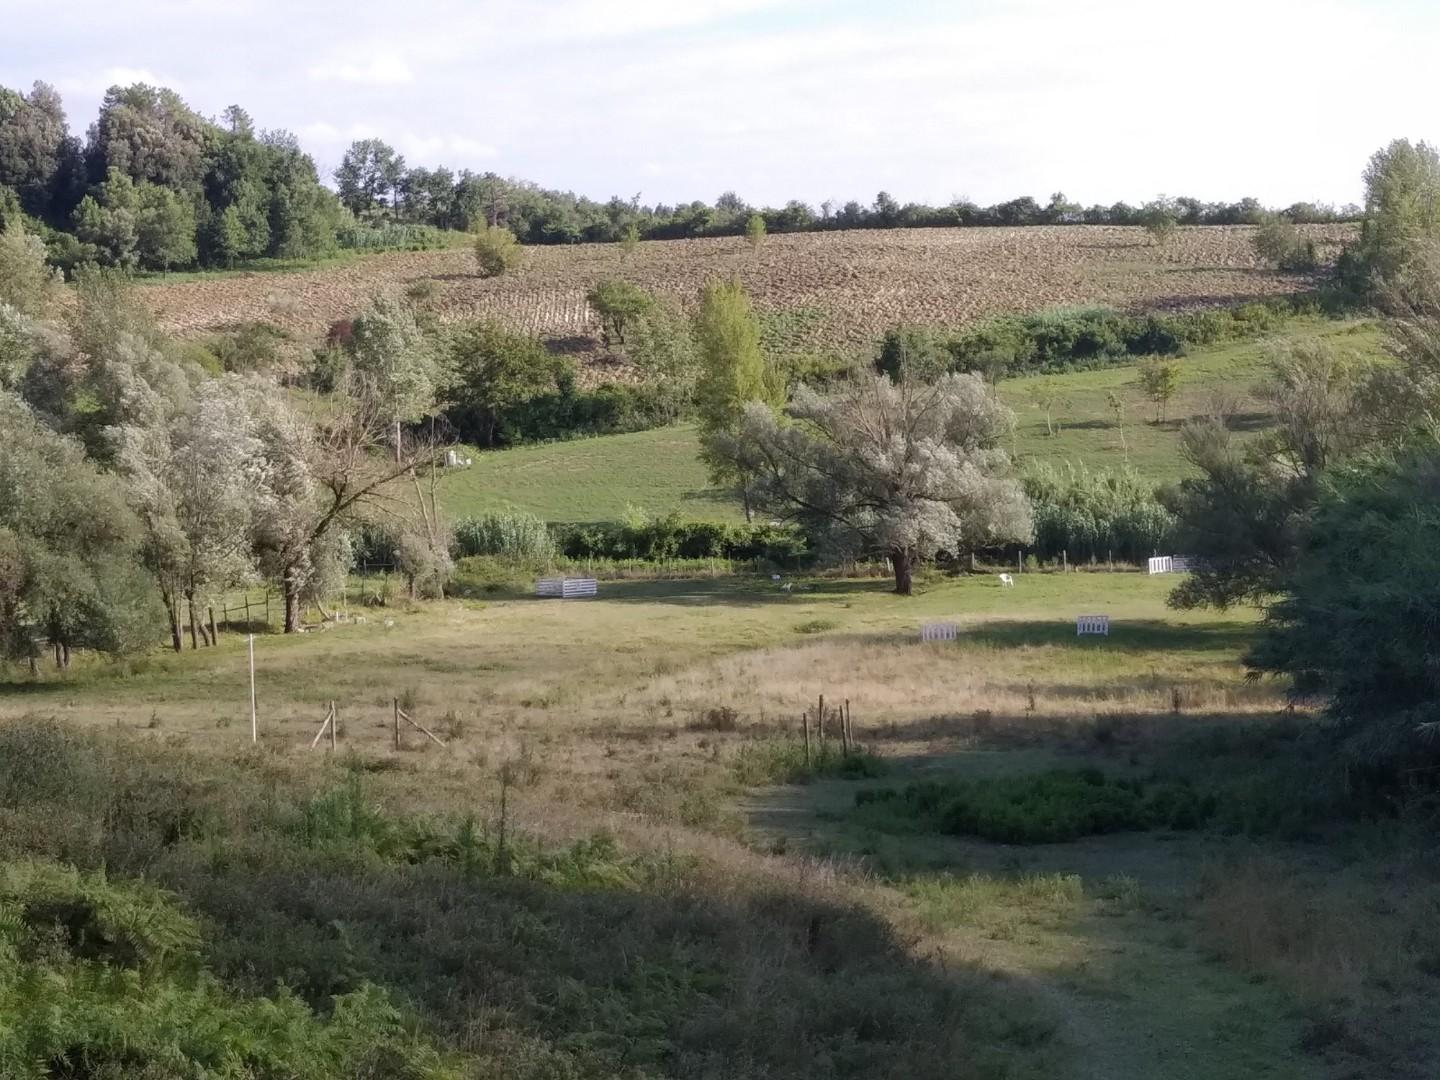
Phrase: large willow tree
x=895 y=470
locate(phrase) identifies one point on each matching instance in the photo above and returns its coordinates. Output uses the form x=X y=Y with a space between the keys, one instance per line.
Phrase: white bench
x=939 y=631
x=1092 y=624
x=565 y=588
x=1162 y=564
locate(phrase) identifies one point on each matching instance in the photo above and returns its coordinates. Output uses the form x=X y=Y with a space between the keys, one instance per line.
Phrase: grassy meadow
x=620 y=863
x=598 y=479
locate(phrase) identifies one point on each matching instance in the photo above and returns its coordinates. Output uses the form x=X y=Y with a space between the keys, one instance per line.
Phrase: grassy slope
x=596 y=479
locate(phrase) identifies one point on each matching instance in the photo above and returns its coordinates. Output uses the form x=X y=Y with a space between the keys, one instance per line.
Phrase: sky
x=778 y=99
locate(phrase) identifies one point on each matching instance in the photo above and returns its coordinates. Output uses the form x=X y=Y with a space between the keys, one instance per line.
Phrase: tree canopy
x=896 y=470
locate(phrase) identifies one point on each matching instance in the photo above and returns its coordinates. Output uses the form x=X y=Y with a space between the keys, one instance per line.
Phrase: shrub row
x=1096 y=337
x=673 y=538
x=608 y=409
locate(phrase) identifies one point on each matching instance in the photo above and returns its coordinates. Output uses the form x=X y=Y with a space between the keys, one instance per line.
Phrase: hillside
x=597 y=479
x=837 y=291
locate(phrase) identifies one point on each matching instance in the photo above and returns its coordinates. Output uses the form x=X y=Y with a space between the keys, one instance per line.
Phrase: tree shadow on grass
x=740 y=591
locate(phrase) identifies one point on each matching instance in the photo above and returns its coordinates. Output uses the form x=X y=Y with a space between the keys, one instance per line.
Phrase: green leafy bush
x=390 y=236
x=1096 y=514
x=104 y=979
x=496 y=251
x=1044 y=808
x=674 y=538
x=1278 y=241
x=511 y=534
x=1070 y=340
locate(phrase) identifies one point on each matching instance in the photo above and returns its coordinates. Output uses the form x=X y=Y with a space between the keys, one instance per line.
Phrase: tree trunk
x=173 y=614
x=745 y=498
x=190 y=608
x=292 y=600
x=902 y=560
x=65 y=656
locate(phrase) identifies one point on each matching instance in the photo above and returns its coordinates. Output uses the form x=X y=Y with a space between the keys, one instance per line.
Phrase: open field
x=661 y=712
x=659 y=471
x=837 y=291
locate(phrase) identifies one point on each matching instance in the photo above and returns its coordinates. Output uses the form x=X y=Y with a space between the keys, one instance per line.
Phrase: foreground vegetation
x=464 y=894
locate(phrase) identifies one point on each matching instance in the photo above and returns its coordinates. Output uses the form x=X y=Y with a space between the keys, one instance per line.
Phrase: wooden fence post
x=805 y=727
x=849 y=728
x=397 y=723
x=334 y=723
x=214 y=630
x=1064 y=561
x=267 y=609
x=820 y=719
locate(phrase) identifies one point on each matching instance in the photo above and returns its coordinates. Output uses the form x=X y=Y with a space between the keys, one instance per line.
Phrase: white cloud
x=380 y=70
x=115 y=76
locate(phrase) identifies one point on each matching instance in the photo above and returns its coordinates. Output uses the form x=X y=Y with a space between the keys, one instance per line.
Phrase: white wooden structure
x=1162 y=564
x=1007 y=581
x=1182 y=564
x=939 y=631
x=1092 y=624
x=565 y=588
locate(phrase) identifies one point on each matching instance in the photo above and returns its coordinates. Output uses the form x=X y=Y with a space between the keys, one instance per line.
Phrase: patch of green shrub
x=1100 y=514
x=1046 y=808
x=782 y=761
x=672 y=537
x=1078 y=339
x=390 y=236
x=511 y=534
x=105 y=979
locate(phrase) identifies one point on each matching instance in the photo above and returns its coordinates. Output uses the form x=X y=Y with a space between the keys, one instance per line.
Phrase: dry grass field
x=831 y=291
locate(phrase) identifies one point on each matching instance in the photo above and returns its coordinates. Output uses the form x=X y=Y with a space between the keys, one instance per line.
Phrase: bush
x=390 y=236
x=1086 y=338
x=1160 y=220
x=608 y=409
x=673 y=538
x=511 y=534
x=107 y=978
x=1100 y=515
x=497 y=251
x=619 y=304
x=1045 y=808
x=1278 y=241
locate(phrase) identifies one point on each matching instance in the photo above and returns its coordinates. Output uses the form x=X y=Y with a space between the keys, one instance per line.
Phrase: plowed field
x=841 y=290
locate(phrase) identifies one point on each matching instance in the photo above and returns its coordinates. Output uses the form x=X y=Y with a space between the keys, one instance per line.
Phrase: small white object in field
x=360 y=620
x=1007 y=581
x=389 y=623
x=939 y=631
x=774 y=577
x=1092 y=624
x=788 y=586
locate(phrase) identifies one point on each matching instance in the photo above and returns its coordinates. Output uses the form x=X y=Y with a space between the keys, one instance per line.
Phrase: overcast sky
x=778 y=99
